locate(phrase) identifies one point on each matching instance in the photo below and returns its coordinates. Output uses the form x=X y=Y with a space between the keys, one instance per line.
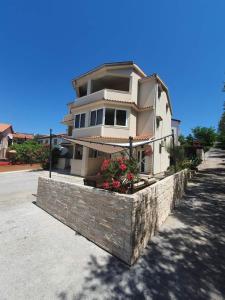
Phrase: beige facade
x=116 y=101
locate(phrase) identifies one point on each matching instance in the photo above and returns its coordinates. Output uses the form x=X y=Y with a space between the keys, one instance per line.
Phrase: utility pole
x=50 y=154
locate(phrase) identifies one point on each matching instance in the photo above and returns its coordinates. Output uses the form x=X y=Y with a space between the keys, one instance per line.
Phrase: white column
x=84 y=165
x=89 y=87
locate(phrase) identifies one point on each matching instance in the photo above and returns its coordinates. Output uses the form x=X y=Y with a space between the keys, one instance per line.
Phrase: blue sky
x=44 y=44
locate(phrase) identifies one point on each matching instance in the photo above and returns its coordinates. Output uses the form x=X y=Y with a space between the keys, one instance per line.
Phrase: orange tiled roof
x=3 y=127
x=18 y=135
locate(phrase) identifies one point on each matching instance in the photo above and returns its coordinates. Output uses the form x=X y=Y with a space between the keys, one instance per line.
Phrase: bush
x=119 y=174
x=29 y=152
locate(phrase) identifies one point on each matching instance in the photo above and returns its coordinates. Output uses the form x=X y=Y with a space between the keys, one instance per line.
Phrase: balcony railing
x=105 y=94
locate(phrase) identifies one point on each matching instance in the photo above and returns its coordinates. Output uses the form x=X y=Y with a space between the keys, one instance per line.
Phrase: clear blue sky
x=44 y=44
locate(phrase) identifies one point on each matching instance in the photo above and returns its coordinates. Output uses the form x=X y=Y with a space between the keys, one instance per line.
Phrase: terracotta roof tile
x=23 y=136
x=3 y=127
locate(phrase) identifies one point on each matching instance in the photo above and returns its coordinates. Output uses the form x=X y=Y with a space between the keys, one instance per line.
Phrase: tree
x=221 y=129
x=206 y=136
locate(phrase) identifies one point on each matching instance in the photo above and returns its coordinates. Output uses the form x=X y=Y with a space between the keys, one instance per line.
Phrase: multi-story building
x=115 y=101
x=175 y=124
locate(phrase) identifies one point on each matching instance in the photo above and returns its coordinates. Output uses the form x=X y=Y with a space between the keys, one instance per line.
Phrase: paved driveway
x=40 y=258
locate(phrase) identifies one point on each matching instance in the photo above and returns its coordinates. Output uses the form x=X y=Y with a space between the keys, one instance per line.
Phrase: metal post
x=130 y=158
x=174 y=155
x=50 y=155
x=131 y=147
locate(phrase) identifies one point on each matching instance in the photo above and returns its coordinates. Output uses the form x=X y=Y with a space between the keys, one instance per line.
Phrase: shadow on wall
x=186 y=261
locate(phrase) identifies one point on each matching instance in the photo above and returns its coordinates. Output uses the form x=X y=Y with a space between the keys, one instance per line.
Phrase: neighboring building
x=115 y=101
x=57 y=139
x=19 y=137
x=6 y=137
x=175 y=124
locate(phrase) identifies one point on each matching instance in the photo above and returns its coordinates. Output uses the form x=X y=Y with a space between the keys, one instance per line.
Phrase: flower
x=106 y=185
x=123 y=167
x=116 y=184
x=105 y=164
x=130 y=176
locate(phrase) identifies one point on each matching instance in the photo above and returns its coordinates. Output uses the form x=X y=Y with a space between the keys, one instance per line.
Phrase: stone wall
x=120 y=224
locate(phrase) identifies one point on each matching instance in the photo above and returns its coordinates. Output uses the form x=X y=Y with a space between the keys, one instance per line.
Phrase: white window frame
x=103 y=117
x=83 y=113
x=123 y=126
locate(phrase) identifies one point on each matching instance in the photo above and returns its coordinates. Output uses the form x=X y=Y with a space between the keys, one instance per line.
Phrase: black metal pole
x=50 y=155
x=130 y=158
x=174 y=155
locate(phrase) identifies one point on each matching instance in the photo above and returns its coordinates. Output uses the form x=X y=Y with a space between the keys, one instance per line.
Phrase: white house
x=115 y=101
x=175 y=124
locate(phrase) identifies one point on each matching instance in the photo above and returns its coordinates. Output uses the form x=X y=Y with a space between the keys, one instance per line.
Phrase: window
x=78 y=151
x=115 y=117
x=121 y=117
x=95 y=153
x=109 y=116
x=46 y=141
x=82 y=120
x=79 y=121
x=55 y=141
x=96 y=117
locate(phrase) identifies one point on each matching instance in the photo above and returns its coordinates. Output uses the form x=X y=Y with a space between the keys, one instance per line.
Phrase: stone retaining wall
x=120 y=224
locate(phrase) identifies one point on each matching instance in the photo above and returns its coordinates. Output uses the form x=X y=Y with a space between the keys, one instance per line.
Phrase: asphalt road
x=40 y=258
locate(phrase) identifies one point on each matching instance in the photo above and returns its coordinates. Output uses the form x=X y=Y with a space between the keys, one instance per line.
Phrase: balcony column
x=84 y=165
x=89 y=87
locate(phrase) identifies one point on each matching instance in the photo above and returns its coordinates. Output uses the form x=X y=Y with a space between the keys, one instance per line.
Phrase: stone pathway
x=186 y=260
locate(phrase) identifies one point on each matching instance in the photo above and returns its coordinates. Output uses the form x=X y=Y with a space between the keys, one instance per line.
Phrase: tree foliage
x=221 y=129
x=206 y=136
x=30 y=152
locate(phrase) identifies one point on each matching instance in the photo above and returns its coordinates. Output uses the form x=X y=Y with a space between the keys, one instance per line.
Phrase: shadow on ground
x=185 y=261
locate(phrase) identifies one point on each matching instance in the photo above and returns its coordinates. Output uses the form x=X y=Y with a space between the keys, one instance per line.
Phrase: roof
x=176 y=120
x=111 y=65
x=19 y=135
x=53 y=135
x=3 y=127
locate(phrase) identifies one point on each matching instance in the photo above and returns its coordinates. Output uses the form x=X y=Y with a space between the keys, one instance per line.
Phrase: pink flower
x=116 y=184
x=106 y=185
x=130 y=176
x=105 y=165
x=123 y=167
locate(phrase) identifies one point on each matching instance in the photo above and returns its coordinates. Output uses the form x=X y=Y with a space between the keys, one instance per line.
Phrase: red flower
x=116 y=184
x=105 y=165
x=123 y=167
x=106 y=185
x=130 y=176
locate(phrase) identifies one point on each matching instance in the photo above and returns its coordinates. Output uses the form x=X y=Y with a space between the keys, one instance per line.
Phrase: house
x=57 y=139
x=6 y=137
x=175 y=124
x=19 y=137
x=115 y=101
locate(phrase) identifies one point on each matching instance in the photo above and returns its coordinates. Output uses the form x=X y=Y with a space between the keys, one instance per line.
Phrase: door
x=141 y=160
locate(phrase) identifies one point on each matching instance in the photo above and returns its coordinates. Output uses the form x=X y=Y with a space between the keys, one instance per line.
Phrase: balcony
x=105 y=94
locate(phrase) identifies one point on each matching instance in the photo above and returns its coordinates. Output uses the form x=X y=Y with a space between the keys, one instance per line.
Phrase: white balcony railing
x=106 y=94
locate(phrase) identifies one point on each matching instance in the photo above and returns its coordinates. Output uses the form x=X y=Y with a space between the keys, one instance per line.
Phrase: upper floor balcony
x=104 y=94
